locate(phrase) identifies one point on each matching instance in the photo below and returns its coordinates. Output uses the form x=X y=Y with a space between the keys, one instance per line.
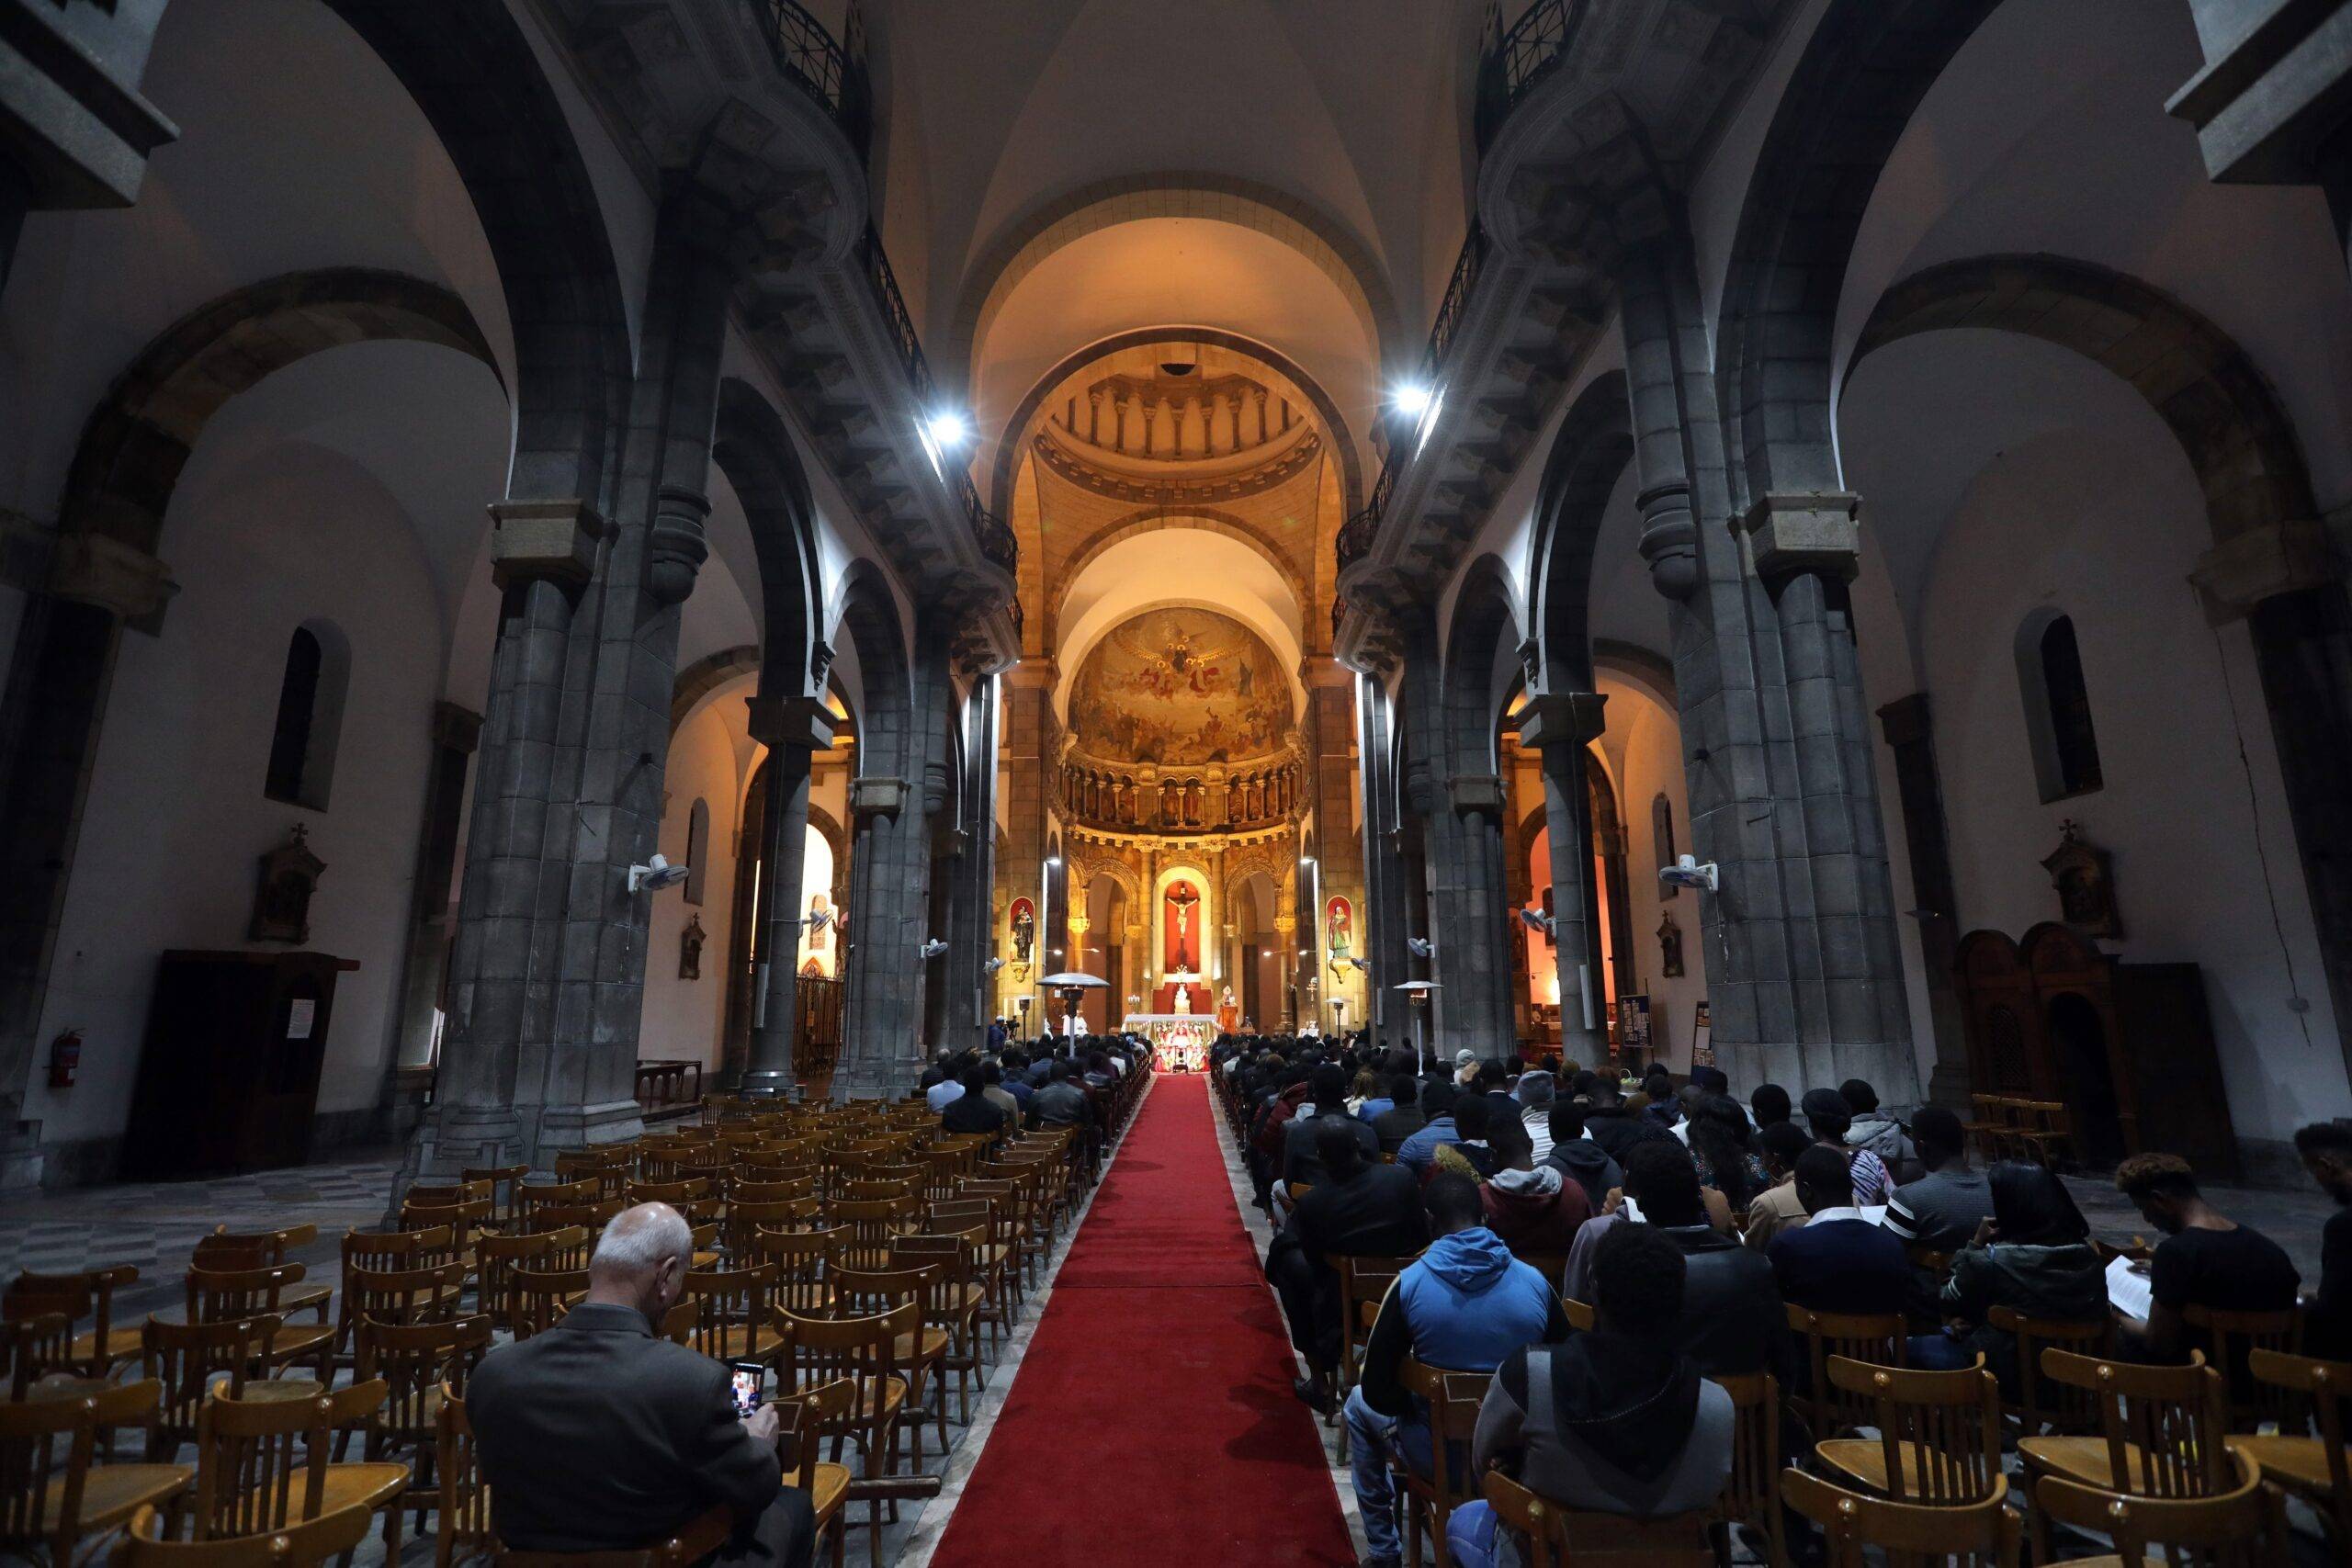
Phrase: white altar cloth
x=1184 y=1038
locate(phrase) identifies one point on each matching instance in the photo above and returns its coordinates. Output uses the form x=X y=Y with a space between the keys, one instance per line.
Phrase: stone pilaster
x=1909 y=730
x=457 y=732
x=793 y=730
x=1559 y=727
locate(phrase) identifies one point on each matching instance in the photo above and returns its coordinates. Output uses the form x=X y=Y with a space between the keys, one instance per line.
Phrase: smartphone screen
x=751 y=1378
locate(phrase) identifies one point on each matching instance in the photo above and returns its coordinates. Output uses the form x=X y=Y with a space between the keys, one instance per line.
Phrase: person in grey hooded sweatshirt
x=1874 y=1130
x=2034 y=1256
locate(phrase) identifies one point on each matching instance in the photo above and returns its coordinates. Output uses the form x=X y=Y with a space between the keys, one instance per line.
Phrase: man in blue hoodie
x=1464 y=1306
x=1420 y=1150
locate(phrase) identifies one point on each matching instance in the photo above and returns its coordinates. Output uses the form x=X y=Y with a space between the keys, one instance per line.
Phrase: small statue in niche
x=1670 y=946
x=2084 y=879
x=690 y=942
x=289 y=875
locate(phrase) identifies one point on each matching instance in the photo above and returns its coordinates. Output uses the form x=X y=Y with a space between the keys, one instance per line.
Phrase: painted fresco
x=1180 y=687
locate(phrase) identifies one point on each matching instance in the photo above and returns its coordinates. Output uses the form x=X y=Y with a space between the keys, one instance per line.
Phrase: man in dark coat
x=600 y=1436
x=1359 y=1209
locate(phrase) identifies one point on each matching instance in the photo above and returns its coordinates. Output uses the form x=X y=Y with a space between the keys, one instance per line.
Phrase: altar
x=1183 y=1038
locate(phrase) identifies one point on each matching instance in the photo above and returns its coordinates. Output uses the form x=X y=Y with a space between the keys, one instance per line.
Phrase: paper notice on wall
x=2127 y=1289
x=300 y=1017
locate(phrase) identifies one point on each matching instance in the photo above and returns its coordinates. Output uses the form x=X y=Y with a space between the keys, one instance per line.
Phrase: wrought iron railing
x=1456 y=303
x=1514 y=61
x=1358 y=531
x=1339 y=616
x=832 y=72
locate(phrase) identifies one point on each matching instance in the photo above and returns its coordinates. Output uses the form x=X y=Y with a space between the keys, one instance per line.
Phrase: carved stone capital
x=778 y=722
x=1474 y=793
x=90 y=569
x=2243 y=571
x=877 y=797
x=1566 y=718
x=1818 y=533
x=543 y=541
x=676 y=547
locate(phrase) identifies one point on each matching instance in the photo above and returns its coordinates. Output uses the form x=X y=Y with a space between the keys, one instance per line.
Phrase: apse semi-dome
x=1180 y=687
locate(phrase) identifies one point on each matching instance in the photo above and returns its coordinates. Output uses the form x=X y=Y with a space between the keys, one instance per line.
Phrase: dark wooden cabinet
x=229 y=1076
x=2128 y=1047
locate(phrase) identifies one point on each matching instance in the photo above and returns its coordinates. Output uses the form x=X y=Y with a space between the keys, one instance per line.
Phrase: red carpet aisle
x=1151 y=1420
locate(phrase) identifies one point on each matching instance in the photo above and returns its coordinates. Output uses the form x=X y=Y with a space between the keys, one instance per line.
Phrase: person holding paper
x=2206 y=1259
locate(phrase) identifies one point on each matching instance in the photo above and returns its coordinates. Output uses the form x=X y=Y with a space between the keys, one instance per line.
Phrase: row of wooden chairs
x=2011 y=1127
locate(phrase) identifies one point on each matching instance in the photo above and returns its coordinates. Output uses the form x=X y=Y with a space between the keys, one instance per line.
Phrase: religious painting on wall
x=1182 y=929
x=1180 y=686
x=1024 y=937
x=1338 y=927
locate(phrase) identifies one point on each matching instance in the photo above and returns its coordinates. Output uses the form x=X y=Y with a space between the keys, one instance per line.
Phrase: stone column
x=549 y=967
x=1805 y=977
x=1022 y=755
x=1559 y=728
x=1910 y=736
x=793 y=730
x=969 y=937
x=1381 y=929
x=457 y=732
x=1337 y=761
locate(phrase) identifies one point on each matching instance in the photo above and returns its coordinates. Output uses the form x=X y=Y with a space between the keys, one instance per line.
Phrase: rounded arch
x=1323 y=240
x=472 y=73
x=1152 y=520
x=139 y=436
x=1009 y=445
x=706 y=676
x=1588 y=455
x=888 y=744
x=2213 y=399
x=829 y=827
x=1864 y=73
x=1085 y=869
x=752 y=446
x=1475 y=679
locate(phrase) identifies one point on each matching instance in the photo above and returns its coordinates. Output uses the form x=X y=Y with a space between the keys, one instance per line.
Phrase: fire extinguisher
x=65 y=1060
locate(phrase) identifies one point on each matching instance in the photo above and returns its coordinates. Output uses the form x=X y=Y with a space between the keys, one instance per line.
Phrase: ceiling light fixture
x=1413 y=399
x=949 y=429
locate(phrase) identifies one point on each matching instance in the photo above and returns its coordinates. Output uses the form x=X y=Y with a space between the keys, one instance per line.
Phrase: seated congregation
x=1552 y=1314
x=705 y=1344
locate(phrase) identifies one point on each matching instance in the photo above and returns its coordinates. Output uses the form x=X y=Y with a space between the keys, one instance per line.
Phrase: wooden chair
x=2041 y=1404
x=1879 y=1338
x=2242 y=1527
x=863 y=1350
x=1552 y=1537
x=429 y=1294
x=497 y=1258
x=808 y=1417
x=700 y=1536
x=746 y=1218
x=1365 y=1283
x=731 y=1311
x=230 y=1294
x=923 y=1349
x=51 y=1495
x=770 y=1189
x=230 y=1250
x=2314 y=1469
x=1581 y=1315
x=262 y=1465
x=958 y=1300
x=533 y=1198
x=2231 y=1338
x=1980 y=1535
x=1940 y=1433
x=463 y=1528
x=1452 y=1399
x=98 y=1350
x=183 y=1359
x=2043 y=1131
x=444 y=1195
x=415 y=1362
x=32 y=1347
x=804 y=1262
x=501 y=1181
x=297 y=1546
x=542 y=1297
x=1752 y=1496
x=873 y=1224
x=2160 y=1432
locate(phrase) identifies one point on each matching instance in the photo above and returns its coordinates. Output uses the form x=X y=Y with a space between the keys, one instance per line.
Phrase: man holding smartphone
x=600 y=1436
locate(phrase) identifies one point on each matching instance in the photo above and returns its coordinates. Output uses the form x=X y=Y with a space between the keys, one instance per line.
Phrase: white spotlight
x=949 y=429
x=1412 y=398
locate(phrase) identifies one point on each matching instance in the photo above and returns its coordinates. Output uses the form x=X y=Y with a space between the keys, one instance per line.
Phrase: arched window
x=2057 y=707
x=309 y=716
x=697 y=848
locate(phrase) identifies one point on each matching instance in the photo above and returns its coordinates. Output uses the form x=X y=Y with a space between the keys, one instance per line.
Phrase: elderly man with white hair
x=599 y=1435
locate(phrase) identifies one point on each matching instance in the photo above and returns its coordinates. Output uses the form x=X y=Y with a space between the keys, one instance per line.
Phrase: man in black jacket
x=1302 y=1160
x=1402 y=1120
x=1579 y=1158
x=974 y=1111
x=600 y=1436
x=1616 y=1129
x=1731 y=1321
x=1359 y=1209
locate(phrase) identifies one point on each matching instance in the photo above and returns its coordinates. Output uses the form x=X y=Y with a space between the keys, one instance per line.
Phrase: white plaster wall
x=176 y=817
x=2093 y=522
x=1642 y=744
x=686 y=1019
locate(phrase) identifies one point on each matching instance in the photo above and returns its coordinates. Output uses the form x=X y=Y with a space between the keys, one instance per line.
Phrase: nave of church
x=652 y=595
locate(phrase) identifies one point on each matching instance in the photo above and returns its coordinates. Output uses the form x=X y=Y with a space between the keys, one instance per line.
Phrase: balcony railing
x=1514 y=61
x=833 y=74
x=996 y=539
x=1358 y=531
x=1456 y=303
